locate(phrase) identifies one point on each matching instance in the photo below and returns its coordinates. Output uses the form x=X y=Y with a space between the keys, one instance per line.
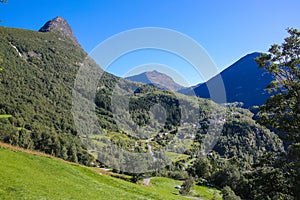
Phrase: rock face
x=60 y=25
x=158 y=79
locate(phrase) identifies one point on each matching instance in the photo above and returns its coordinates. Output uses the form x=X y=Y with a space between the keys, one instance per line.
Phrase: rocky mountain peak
x=61 y=25
x=158 y=79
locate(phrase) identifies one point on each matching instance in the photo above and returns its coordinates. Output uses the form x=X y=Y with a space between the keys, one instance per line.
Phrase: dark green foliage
x=242 y=139
x=245 y=140
x=36 y=86
x=187 y=186
x=269 y=183
x=201 y=168
x=136 y=177
x=281 y=111
x=271 y=178
x=227 y=176
x=140 y=105
x=228 y=194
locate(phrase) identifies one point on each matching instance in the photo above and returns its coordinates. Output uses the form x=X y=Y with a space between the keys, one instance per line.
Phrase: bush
x=187 y=186
x=228 y=194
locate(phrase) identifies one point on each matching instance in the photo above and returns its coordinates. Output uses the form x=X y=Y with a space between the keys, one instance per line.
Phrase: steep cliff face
x=60 y=25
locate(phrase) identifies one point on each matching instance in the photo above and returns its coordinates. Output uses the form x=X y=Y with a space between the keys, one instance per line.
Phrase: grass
x=176 y=156
x=33 y=175
x=165 y=186
x=5 y=116
x=206 y=192
x=29 y=174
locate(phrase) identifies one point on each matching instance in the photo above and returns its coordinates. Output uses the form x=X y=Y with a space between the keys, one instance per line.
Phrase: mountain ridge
x=243 y=81
x=157 y=79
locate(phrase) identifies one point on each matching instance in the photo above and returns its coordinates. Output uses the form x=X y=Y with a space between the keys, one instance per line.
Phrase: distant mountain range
x=243 y=82
x=157 y=79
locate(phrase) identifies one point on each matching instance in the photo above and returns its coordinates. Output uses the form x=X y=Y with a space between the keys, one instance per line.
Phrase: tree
x=187 y=186
x=1 y=61
x=282 y=110
x=201 y=168
x=228 y=194
x=228 y=176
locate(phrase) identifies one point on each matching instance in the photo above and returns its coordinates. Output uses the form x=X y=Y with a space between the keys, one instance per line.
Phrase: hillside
x=36 y=88
x=39 y=70
x=31 y=175
x=243 y=82
x=158 y=79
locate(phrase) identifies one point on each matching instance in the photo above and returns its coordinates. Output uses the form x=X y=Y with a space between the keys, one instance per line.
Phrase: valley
x=34 y=175
x=128 y=131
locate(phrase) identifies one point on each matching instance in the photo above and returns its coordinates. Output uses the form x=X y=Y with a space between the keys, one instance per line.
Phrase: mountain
x=132 y=123
x=39 y=69
x=243 y=82
x=36 y=112
x=60 y=25
x=158 y=79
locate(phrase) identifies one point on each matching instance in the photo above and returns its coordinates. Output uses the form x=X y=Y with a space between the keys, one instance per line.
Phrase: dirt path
x=146 y=181
x=196 y=198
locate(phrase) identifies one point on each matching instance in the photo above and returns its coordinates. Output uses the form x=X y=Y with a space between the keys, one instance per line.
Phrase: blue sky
x=227 y=30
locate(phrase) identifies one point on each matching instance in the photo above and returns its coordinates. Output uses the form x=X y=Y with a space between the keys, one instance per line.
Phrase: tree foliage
x=282 y=110
x=36 y=84
x=187 y=186
x=201 y=168
x=228 y=194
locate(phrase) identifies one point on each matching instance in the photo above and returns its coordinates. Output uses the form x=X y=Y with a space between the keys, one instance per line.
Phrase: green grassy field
x=167 y=186
x=5 y=116
x=29 y=176
x=206 y=192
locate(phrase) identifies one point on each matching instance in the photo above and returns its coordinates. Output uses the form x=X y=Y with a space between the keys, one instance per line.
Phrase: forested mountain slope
x=39 y=71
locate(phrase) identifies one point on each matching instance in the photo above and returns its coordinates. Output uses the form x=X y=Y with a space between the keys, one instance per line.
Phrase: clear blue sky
x=227 y=30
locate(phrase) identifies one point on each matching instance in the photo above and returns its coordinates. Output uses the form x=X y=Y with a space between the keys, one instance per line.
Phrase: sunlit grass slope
x=29 y=176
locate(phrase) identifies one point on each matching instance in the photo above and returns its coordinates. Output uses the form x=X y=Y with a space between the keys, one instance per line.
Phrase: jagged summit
x=61 y=25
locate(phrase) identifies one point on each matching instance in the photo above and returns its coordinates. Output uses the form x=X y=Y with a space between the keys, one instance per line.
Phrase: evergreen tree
x=228 y=194
x=201 y=168
x=281 y=111
x=187 y=186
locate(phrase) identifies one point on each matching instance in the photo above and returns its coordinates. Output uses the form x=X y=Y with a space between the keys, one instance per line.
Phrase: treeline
x=64 y=146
